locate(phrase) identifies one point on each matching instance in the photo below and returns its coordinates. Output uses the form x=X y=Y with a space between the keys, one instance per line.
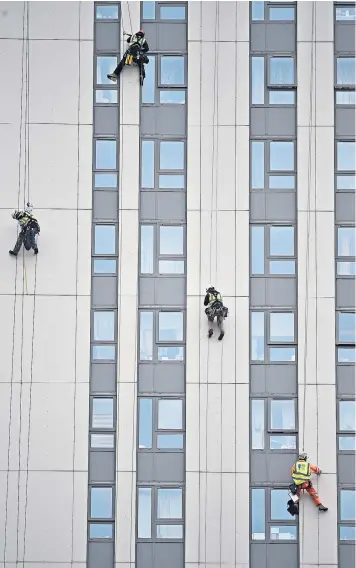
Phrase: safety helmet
x=14 y=214
x=140 y=33
x=210 y=289
x=303 y=456
x=29 y=207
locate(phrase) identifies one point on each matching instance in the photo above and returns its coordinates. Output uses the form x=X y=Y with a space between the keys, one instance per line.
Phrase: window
x=281 y=182
x=107 y=12
x=281 y=156
x=148 y=164
x=258 y=10
x=346 y=241
x=103 y=352
x=146 y=336
x=281 y=241
x=346 y=157
x=347 y=505
x=282 y=415
x=171 y=266
x=107 y=96
x=257 y=336
x=258 y=514
x=171 y=240
x=345 y=71
x=282 y=14
x=171 y=155
x=281 y=71
x=171 y=182
x=169 y=504
x=101 y=505
x=279 y=498
x=149 y=84
x=346 y=327
x=102 y=441
x=347 y=443
x=144 y=512
x=345 y=14
x=172 y=97
x=105 y=64
x=148 y=10
x=282 y=354
x=283 y=532
x=147 y=249
x=105 y=181
x=103 y=413
x=104 y=266
x=282 y=327
x=347 y=415
x=281 y=97
x=258 y=424
x=145 y=423
x=345 y=182
x=172 y=70
x=283 y=443
x=170 y=441
x=172 y=12
x=170 y=326
x=346 y=98
x=258 y=80
x=170 y=531
x=346 y=355
x=258 y=250
x=102 y=531
x=170 y=414
x=172 y=353
x=348 y=532
x=258 y=164
x=104 y=326
x=105 y=158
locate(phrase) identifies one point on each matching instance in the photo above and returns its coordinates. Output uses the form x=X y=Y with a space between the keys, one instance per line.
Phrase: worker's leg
x=210 y=325
x=313 y=494
x=113 y=76
x=299 y=489
x=220 y=320
x=18 y=244
x=32 y=240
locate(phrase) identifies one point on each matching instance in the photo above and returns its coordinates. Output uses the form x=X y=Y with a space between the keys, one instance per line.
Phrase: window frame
x=157 y=89
x=117 y=155
x=107 y=224
x=101 y=104
x=157 y=257
x=105 y=54
x=110 y=310
x=268 y=521
x=340 y=86
x=282 y=86
x=103 y=274
x=156 y=345
x=267 y=162
x=282 y=5
x=340 y=343
x=157 y=431
x=159 y=311
x=338 y=172
x=343 y=259
x=268 y=173
x=96 y=522
x=95 y=430
x=105 y=520
x=107 y=4
x=157 y=17
x=156 y=164
x=268 y=345
x=282 y=311
x=172 y=86
x=342 y=433
x=267 y=89
x=343 y=523
x=268 y=431
x=155 y=521
x=346 y=5
x=267 y=256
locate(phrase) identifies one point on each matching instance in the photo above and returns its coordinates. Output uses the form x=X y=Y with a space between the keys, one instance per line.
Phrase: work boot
x=210 y=333
x=35 y=250
x=322 y=508
x=222 y=333
x=112 y=77
x=12 y=253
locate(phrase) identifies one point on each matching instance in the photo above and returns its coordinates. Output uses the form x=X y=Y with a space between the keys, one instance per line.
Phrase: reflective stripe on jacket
x=134 y=40
x=301 y=471
x=214 y=297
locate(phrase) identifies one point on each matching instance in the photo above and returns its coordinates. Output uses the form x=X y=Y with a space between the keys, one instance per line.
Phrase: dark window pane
x=347 y=443
x=103 y=413
x=170 y=326
x=172 y=97
x=107 y=12
x=106 y=180
x=346 y=241
x=258 y=514
x=281 y=71
x=172 y=70
x=258 y=80
x=282 y=182
x=258 y=10
x=346 y=157
x=172 y=353
x=346 y=327
x=170 y=441
x=144 y=512
x=103 y=352
x=281 y=241
x=106 y=96
x=172 y=13
x=258 y=165
x=149 y=84
x=100 y=531
x=283 y=442
x=171 y=181
x=346 y=355
x=347 y=415
x=258 y=424
x=281 y=97
x=279 y=498
x=105 y=155
x=282 y=415
x=171 y=156
x=345 y=70
x=345 y=14
x=283 y=533
x=104 y=326
x=104 y=266
x=145 y=423
x=257 y=336
x=101 y=503
x=148 y=10
x=146 y=336
x=282 y=327
x=169 y=504
x=170 y=414
x=282 y=267
x=347 y=505
x=258 y=250
x=105 y=64
x=281 y=156
x=148 y=164
x=281 y=354
x=282 y=14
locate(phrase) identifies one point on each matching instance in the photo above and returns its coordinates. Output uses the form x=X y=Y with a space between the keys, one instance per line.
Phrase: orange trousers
x=308 y=486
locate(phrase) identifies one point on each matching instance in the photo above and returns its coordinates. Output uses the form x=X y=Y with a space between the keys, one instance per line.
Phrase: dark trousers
x=26 y=237
x=121 y=65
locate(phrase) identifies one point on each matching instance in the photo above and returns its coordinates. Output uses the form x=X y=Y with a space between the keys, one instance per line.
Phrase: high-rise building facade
x=128 y=439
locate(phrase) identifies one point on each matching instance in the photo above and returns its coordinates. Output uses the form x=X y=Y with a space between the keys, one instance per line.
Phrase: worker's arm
x=206 y=300
x=315 y=469
x=145 y=47
x=129 y=38
x=292 y=470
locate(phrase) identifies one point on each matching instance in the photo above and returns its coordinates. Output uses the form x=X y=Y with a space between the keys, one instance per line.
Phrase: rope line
x=15 y=294
x=129 y=13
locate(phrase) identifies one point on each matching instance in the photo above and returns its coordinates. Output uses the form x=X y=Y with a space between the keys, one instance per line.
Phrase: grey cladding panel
x=102 y=467
x=346 y=555
x=162 y=291
x=345 y=122
x=163 y=120
x=258 y=37
x=345 y=37
x=280 y=206
x=274 y=292
x=273 y=122
x=105 y=205
x=163 y=206
x=101 y=554
x=166 y=37
x=271 y=468
x=281 y=555
x=144 y=558
x=160 y=555
x=104 y=292
x=106 y=120
x=258 y=125
x=345 y=293
x=258 y=555
x=345 y=380
x=257 y=206
x=274 y=379
x=161 y=378
x=345 y=207
x=107 y=36
x=160 y=466
x=103 y=377
x=280 y=37
x=346 y=468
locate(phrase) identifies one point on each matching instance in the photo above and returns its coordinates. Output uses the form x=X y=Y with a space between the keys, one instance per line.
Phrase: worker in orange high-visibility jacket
x=301 y=473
